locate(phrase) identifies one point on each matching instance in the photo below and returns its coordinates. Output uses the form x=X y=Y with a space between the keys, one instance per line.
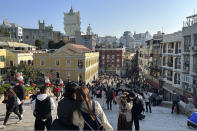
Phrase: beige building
x=16 y=46
x=71 y=62
x=15 y=58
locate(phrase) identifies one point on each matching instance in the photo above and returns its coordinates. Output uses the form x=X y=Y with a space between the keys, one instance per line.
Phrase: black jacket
x=11 y=104
x=109 y=94
x=65 y=111
x=20 y=92
x=137 y=107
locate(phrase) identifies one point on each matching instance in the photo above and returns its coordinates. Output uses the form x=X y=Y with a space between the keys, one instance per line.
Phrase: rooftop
x=81 y=47
x=16 y=44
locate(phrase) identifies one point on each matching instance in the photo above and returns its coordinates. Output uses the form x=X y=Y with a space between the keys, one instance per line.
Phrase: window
x=2 y=58
x=118 y=60
x=80 y=64
x=195 y=63
x=21 y=62
x=27 y=37
x=195 y=39
x=57 y=62
x=41 y=63
x=11 y=63
x=68 y=62
x=57 y=75
x=68 y=75
x=187 y=43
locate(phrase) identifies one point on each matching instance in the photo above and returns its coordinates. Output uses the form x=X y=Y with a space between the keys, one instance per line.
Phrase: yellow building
x=15 y=58
x=2 y=60
x=72 y=61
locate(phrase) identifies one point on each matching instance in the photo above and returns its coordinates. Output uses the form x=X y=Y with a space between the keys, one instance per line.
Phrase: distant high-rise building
x=127 y=38
x=72 y=22
x=143 y=37
x=89 y=30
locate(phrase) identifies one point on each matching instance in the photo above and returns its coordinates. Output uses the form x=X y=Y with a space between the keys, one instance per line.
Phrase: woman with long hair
x=124 y=114
x=88 y=113
x=11 y=106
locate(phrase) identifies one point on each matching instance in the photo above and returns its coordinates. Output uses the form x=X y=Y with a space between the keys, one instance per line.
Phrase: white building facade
x=189 y=55
x=171 y=63
x=16 y=31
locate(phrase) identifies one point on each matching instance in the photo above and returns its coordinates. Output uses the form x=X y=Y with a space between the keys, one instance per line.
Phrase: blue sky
x=107 y=17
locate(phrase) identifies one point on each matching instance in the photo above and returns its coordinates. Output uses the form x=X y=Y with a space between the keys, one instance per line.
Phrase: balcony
x=169 y=78
x=177 y=51
x=177 y=82
x=170 y=64
x=178 y=66
x=187 y=48
x=186 y=68
x=170 y=50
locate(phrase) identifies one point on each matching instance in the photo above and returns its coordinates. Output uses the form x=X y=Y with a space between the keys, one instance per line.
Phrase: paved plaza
x=159 y=120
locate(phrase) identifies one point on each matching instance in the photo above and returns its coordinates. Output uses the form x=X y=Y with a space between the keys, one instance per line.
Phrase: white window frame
x=41 y=62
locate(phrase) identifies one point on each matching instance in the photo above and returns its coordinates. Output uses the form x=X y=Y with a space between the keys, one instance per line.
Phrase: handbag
x=92 y=124
x=18 y=101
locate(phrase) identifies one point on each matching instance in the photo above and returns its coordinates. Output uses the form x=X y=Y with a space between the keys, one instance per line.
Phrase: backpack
x=89 y=123
x=41 y=112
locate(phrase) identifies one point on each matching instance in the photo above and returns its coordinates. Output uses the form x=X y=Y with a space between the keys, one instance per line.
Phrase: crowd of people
x=77 y=108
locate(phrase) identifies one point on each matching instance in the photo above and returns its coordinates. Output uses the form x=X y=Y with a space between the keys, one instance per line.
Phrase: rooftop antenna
x=162 y=30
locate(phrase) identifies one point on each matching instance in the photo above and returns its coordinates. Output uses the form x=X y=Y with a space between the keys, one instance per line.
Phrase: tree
x=38 y=44
x=4 y=32
x=51 y=44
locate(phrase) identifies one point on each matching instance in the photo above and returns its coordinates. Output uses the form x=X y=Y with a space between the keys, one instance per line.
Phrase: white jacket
x=79 y=121
x=42 y=97
x=147 y=97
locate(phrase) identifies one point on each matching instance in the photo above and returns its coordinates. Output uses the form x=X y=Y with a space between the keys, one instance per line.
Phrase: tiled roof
x=81 y=47
x=72 y=51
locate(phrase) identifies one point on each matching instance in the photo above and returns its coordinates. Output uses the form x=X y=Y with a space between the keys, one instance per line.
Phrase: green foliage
x=30 y=72
x=29 y=89
x=3 y=87
x=51 y=44
x=4 y=32
x=2 y=90
x=38 y=43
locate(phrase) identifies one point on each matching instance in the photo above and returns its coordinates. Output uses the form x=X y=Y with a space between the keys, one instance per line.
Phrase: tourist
x=124 y=114
x=147 y=97
x=42 y=107
x=104 y=98
x=65 y=109
x=12 y=105
x=136 y=110
x=20 y=93
x=109 y=95
x=88 y=114
x=175 y=101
